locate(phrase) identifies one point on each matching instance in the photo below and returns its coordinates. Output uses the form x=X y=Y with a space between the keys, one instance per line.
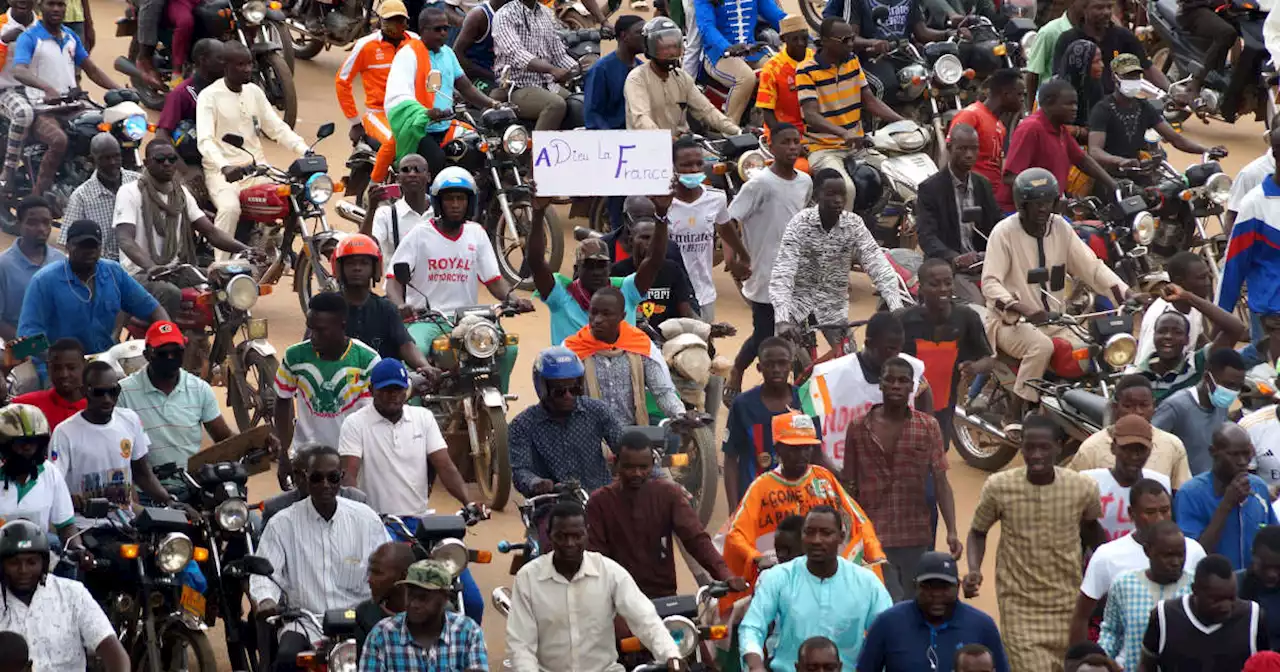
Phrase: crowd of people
x=1155 y=546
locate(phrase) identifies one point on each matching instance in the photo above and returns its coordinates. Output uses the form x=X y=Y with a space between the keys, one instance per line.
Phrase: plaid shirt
x=1129 y=604
x=95 y=202
x=889 y=481
x=390 y=647
x=520 y=35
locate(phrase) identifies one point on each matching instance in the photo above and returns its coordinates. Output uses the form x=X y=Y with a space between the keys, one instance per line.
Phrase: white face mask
x=1134 y=88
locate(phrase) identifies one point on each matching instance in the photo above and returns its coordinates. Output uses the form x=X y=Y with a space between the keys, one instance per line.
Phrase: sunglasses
x=316 y=478
x=169 y=158
x=575 y=390
x=105 y=391
x=412 y=169
x=175 y=353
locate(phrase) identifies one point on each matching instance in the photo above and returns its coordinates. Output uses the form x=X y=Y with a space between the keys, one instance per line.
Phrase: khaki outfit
x=1038 y=562
x=1011 y=254
x=1168 y=455
x=657 y=103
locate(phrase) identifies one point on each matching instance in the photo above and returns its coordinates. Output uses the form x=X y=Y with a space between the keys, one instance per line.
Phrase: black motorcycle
x=257 y=24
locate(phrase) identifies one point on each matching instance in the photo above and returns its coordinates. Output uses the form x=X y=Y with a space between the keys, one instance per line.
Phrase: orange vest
x=425 y=96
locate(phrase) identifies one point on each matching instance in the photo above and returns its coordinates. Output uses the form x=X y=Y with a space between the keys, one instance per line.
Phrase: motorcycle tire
x=308 y=49
x=287 y=48
x=304 y=279
x=513 y=270
x=276 y=80
x=992 y=454
x=149 y=97
x=812 y=11
x=263 y=368
x=599 y=215
x=493 y=466
x=197 y=644
x=701 y=476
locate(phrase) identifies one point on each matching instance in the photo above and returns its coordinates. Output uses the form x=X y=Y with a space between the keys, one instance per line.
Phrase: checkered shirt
x=1129 y=604
x=390 y=647
x=95 y=202
x=889 y=481
x=521 y=34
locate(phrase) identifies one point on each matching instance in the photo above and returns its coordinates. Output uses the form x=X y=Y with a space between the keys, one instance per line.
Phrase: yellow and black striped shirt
x=838 y=91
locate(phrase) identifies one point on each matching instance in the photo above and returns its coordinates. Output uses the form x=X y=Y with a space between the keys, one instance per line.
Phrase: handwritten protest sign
x=602 y=163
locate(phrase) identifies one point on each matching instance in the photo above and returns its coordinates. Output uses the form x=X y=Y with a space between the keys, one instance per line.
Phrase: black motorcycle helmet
x=1035 y=184
x=23 y=536
x=868 y=187
x=657 y=30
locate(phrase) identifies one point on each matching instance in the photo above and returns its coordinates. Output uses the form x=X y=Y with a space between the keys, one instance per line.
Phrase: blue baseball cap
x=389 y=373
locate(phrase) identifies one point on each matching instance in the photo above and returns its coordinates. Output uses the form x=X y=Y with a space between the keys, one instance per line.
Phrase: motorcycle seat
x=1168 y=10
x=1093 y=406
x=676 y=605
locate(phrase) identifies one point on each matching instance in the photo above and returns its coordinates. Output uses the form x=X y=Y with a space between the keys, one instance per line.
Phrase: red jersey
x=1037 y=143
x=991 y=134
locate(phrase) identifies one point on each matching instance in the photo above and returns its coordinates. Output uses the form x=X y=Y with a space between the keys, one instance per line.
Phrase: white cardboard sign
x=602 y=163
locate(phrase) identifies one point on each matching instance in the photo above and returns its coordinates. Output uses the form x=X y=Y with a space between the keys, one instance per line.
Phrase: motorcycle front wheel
x=493 y=462
x=510 y=251
x=305 y=281
x=981 y=449
x=252 y=398
x=699 y=477
x=277 y=82
x=181 y=649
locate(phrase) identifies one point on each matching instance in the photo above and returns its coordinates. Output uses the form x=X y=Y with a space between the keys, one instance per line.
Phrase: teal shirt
x=174 y=422
x=1040 y=60
x=800 y=605
x=567 y=317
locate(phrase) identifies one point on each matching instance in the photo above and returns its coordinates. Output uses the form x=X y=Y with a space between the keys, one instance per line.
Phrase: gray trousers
x=900 y=572
x=966 y=289
x=149 y=14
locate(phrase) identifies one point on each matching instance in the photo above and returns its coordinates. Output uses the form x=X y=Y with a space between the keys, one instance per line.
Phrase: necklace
x=72 y=287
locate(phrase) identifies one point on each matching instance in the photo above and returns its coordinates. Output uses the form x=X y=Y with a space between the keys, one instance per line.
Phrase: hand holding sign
x=602 y=163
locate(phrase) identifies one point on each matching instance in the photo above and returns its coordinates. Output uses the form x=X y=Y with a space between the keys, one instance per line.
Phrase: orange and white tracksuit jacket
x=370 y=60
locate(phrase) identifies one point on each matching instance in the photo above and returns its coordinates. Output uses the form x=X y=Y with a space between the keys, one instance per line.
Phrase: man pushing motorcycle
x=1028 y=257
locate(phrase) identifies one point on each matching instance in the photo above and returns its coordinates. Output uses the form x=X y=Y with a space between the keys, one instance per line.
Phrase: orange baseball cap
x=164 y=333
x=794 y=429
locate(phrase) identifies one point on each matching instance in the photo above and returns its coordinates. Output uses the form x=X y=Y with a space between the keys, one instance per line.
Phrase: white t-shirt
x=46 y=501
x=407 y=219
x=1147 y=332
x=61 y=622
x=1264 y=429
x=129 y=211
x=1117 y=557
x=1250 y=176
x=1115 y=500
x=97 y=460
x=448 y=270
x=393 y=468
x=693 y=229
x=763 y=207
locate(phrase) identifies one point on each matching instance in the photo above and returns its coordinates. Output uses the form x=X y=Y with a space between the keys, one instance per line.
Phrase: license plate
x=193 y=602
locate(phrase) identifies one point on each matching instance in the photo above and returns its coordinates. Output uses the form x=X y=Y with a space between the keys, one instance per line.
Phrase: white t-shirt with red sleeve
x=1115 y=500
x=449 y=271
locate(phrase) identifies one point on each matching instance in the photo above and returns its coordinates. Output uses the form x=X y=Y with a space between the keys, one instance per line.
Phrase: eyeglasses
x=104 y=391
x=575 y=390
x=169 y=158
x=412 y=169
x=316 y=477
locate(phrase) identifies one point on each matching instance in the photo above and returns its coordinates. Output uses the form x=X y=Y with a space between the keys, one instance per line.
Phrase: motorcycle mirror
x=401 y=273
x=434 y=81
x=233 y=140
x=252 y=564
x=971 y=215
x=98 y=507
x=1058 y=278
x=325 y=130
x=1038 y=276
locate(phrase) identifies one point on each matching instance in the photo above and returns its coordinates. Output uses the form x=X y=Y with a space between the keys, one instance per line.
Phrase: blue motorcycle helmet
x=555 y=363
x=450 y=179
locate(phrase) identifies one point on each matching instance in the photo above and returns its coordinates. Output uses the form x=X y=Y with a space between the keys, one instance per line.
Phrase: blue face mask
x=691 y=180
x=1221 y=397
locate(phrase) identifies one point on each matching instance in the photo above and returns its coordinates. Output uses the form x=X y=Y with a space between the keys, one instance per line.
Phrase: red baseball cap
x=165 y=333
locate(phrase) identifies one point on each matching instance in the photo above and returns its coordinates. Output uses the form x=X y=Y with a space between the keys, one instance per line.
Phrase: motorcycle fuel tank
x=262 y=203
x=907 y=171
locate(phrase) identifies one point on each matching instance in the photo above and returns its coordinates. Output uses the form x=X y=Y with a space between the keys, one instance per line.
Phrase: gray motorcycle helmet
x=22 y=536
x=1035 y=184
x=658 y=30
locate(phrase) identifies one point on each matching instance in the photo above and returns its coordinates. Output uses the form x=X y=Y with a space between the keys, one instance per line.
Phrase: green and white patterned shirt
x=328 y=390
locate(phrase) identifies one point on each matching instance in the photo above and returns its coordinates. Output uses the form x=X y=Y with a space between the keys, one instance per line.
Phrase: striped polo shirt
x=838 y=91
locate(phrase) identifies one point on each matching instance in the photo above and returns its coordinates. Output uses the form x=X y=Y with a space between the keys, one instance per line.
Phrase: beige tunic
x=1038 y=562
x=1168 y=455
x=657 y=103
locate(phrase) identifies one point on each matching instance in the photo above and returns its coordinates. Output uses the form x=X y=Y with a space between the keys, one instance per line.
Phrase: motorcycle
x=1075 y=387
x=1226 y=94
x=321 y=24
x=274 y=214
x=469 y=406
x=1183 y=203
x=257 y=24
x=691 y=621
x=142 y=577
x=120 y=115
x=889 y=209
x=218 y=491
x=1119 y=234
x=441 y=537
x=217 y=306
x=928 y=87
x=718 y=93
x=532 y=510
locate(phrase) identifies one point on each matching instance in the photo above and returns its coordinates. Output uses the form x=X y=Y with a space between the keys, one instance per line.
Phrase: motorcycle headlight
x=232 y=515
x=1218 y=188
x=173 y=553
x=482 y=340
x=912 y=80
x=684 y=632
x=515 y=140
x=1119 y=350
x=1028 y=40
x=254 y=12
x=1144 y=228
x=242 y=292
x=453 y=553
x=750 y=163
x=319 y=188
x=344 y=657
x=134 y=127
x=947 y=69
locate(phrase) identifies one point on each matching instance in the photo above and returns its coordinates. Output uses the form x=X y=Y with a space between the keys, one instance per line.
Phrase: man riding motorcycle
x=905 y=19
x=659 y=92
x=474 y=44
x=370 y=61
x=14 y=103
x=178 y=118
x=1024 y=252
x=33 y=488
x=448 y=259
x=728 y=32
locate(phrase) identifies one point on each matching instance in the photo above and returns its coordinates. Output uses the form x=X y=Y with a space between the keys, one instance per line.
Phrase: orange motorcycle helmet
x=357 y=244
